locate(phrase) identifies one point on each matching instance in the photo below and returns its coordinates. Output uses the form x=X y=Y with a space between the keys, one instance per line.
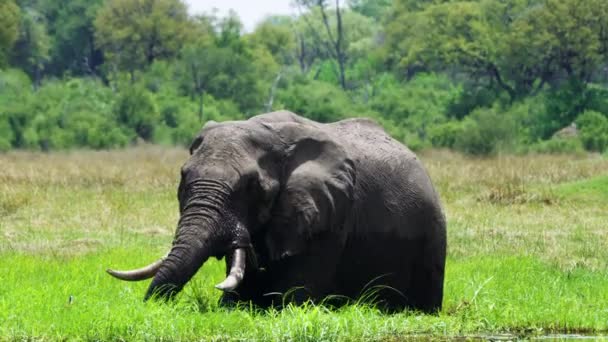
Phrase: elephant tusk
x=138 y=274
x=237 y=272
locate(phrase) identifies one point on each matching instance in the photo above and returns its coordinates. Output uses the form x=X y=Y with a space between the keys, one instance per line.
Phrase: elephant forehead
x=239 y=135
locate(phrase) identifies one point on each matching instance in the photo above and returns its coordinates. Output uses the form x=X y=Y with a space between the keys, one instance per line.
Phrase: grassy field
x=528 y=253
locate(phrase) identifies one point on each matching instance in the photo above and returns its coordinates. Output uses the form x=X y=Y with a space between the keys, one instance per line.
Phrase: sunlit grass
x=528 y=253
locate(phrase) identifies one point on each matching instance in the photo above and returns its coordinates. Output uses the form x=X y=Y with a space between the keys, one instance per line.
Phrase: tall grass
x=527 y=253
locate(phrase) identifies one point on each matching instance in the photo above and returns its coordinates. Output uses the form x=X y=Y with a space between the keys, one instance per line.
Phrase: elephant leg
x=426 y=287
x=309 y=275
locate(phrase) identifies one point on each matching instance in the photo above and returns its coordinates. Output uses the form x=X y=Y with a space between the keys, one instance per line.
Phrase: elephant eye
x=196 y=144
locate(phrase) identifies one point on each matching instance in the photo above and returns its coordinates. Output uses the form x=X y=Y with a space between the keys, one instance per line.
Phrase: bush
x=593 y=130
x=15 y=96
x=446 y=134
x=6 y=133
x=564 y=104
x=485 y=132
x=315 y=100
x=419 y=104
x=135 y=110
x=558 y=146
x=597 y=98
x=533 y=121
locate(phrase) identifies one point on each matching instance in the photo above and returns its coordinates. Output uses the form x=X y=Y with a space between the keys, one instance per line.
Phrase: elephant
x=318 y=210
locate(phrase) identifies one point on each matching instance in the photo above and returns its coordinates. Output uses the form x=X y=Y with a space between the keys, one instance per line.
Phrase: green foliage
x=6 y=134
x=232 y=77
x=74 y=113
x=370 y=8
x=432 y=72
x=419 y=104
x=593 y=130
x=564 y=104
x=518 y=45
x=135 y=110
x=316 y=100
x=134 y=33
x=275 y=35
x=485 y=132
x=9 y=30
x=533 y=119
x=558 y=146
x=70 y=23
x=446 y=134
x=15 y=96
x=31 y=50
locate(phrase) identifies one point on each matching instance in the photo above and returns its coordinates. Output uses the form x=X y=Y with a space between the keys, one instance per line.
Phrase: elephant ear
x=316 y=189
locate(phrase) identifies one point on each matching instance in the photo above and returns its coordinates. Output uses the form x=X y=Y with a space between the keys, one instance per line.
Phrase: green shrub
x=6 y=133
x=66 y=114
x=135 y=110
x=558 y=146
x=486 y=132
x=593 y=128
x=419 y=104
x=597 y=98
x=445 y=134
x=15 y=96
x=316 y=100
x=470 y=97
x=564 y=104
x=533 y=121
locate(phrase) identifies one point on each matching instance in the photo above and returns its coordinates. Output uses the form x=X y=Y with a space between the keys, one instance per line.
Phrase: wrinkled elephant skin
x=303 y=210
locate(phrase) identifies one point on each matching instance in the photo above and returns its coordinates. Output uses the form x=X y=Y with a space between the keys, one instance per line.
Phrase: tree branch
x=494 y=70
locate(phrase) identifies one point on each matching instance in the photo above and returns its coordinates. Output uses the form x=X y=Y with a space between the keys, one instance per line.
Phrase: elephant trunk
x=205 y=229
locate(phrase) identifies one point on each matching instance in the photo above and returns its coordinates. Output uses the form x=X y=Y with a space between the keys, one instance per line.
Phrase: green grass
x=528 y=253
x=593 y=189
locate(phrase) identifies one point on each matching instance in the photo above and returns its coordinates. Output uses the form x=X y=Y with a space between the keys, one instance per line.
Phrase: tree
x=134 y=33
x=518 y=46
x=9 y=30
x=70 y=23
x=334 y=41
x=593 y=130
x=275 y=34
x=196 y=69
x=370 y=8
x=31 y=50
x=229 y=30
x=273 y=46
x=221 y=72
x=135 y=110
x=574 y=34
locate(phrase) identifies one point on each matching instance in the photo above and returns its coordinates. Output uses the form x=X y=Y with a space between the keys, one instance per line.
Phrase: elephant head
x=247 y=178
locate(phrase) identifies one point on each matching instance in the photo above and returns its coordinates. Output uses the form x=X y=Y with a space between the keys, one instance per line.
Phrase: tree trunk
x=200 y=106
x=339 y=47
x=273 y=90
x=336 y=44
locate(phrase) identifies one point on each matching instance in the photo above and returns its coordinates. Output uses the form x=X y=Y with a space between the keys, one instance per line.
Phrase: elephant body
x=325 y=209
x=392 y=233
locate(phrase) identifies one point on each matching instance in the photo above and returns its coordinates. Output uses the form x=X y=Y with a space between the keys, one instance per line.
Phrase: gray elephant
x=326 y=209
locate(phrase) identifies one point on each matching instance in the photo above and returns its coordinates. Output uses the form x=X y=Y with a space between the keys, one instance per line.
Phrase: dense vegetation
x=481 y=76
